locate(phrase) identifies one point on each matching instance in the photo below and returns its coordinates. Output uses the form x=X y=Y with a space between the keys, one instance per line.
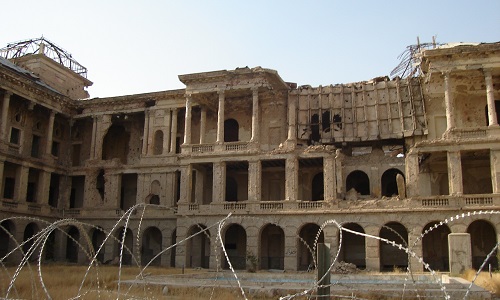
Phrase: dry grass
x=63 y=282
x=484 y=280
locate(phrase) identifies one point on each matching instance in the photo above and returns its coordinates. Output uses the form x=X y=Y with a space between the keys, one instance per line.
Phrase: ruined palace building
x=387 y=157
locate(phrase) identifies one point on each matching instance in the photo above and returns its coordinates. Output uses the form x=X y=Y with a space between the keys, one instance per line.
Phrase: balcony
x=211 y=149
x=467 y=202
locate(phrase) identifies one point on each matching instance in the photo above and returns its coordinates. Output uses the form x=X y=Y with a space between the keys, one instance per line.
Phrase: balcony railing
x=200 y=149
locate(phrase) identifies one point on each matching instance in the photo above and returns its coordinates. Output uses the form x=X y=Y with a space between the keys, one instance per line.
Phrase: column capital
x=221 y=92
x=7 y=94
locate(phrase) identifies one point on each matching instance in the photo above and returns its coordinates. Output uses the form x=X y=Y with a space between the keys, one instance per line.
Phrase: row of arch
x=271 y=245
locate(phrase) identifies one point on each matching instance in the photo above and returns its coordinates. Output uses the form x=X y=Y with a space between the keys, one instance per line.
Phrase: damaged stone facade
x=402 y=153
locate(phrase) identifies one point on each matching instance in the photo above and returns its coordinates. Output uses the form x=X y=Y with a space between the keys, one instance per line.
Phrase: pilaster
x=412 y=171
x=203 y=123
x=448 y=101
x=254 y=180
x=173 y=134
x=255 y=115
x=291 y=179
x=490 y=99
x=166 y=140
x=5 y=115
x=50 y=133
x=220 y=118
x=186 y=184
x=329 y=180
x=455 y=173
x=187 y=121
x=21 y=184
x=219 y=181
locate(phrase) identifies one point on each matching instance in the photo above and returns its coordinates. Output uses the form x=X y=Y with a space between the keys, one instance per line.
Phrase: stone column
x=145 y=135
x=339 y=157
x=290 y=259
x=203 y=123
x=93 y=140
x=414 y=264
x=219 y=182
x=186 y=184
x=490 y=99
x=329 y=180
x=372 y=249
x=152 y=116
x=495 y=170
x=254 y=180
x=43 y=186
x=292 y=119
x=291 y=178
x=187 y=121
x=459 y=252
x=455 y=173
x=166 y=140
x=220 y=118
x=5 y=115
x=50 y=132
x=255 y=115
x=412 y=171
x=173 y=134
x=20 y=191
x=448 y=101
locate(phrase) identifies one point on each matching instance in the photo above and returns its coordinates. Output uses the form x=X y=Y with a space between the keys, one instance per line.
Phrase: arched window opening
x=318 y=187
x=435 y=247
x=231 y=189
x=389 y=182
x=158 y=143
x=353 y=248
x=198 y=248
x=30 y=230
x=272 y=247
x=483 y=239
x=231 y=130
x=235 y=242
x=125 y=241
x=151 y=246
x=98 y=238
x=116 y=144
x=315 y=136
x=359 y=181
x=306 y=245
x=392 y=257
x=6 y=228
x=72 y=240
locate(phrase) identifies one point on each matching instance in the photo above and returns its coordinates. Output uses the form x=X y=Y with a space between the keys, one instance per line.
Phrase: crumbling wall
x=379 y=109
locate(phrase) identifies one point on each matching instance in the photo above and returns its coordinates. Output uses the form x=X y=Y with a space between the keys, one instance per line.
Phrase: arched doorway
x=435 y=247
x=391 y=257
x=29 y=232
x=72 y=239
x=389 y=183
x=198 y=247
x=272 y=248
x=6 y=230
x=235 y=243
x=359 y=181
x=318 y=187
x=307 y=246
x=151 y=246
x=483 y=239
x=231 y=130
x=98 y=238
x=352 y=247
x=124 y=239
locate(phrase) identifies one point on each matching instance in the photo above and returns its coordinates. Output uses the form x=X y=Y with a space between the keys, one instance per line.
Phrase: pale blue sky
x=134 y=47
